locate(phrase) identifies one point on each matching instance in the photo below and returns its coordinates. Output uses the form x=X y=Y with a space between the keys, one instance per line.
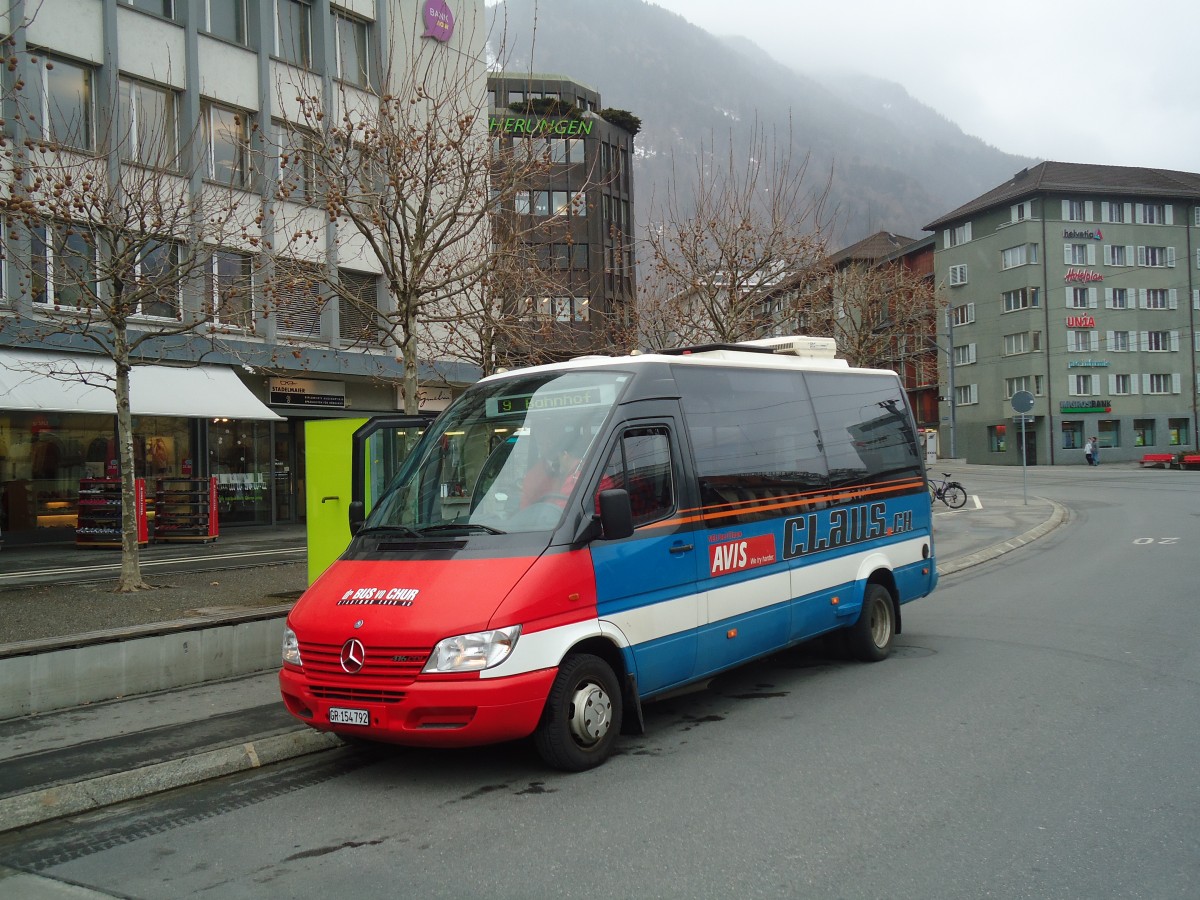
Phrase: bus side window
x=640 y=462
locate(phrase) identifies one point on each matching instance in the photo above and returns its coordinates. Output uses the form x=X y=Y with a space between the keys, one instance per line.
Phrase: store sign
x=538 y=125
x=429 y=399
x=1082 y=276
x=439 y=20
x=1080 y=235
x=306 y=392
x=1081 y=321
x=1087 y=364
x=1080 y=405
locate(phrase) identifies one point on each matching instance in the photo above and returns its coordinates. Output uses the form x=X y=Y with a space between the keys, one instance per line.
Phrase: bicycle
x=953 y=494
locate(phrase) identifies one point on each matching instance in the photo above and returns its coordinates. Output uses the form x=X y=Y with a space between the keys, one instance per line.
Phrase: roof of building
x=1079 y=178
x=879 y=245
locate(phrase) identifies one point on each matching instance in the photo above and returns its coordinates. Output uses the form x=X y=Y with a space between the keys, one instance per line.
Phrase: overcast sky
x=1101 y=81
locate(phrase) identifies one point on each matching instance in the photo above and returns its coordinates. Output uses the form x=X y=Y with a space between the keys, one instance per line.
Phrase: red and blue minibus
x=569 y=541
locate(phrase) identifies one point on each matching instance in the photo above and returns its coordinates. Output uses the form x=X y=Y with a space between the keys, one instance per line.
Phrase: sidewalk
x=62 y=763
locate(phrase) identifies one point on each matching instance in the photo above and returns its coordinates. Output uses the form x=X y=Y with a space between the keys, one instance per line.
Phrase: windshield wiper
x=402 y=530
x=462 y=526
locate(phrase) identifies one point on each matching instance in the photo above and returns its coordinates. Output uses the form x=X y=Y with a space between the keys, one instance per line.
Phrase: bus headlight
x=475 y=651
x=291 y=648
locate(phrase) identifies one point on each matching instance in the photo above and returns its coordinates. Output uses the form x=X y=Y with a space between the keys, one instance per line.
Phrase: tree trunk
x=131 y=572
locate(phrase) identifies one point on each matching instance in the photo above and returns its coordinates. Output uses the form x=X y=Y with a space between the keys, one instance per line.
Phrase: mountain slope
x=892 y=163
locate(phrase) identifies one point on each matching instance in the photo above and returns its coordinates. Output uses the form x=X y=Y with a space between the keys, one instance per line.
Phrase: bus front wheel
x=583 y=715
x=870 y=638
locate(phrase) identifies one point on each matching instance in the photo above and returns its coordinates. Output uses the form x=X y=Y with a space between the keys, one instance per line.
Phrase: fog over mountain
x=894 y=163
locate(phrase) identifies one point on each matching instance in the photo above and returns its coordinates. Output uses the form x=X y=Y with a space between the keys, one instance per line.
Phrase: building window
x=1082 y=386
x=1154 y=214
x=964 y=355
x=1114 y=212
x=1161 y=383
x=560 y=203
x=1118 y=341
x=63 y=268
x=1072 y=435
x=1081 y=297
x=1022 y=211
x=158 y=274
x=297 y=166
x=540 y=203
x=962 y=315
x=298 y=303
x=294 y=31
x=1108 y=433
x=230 y=289
x=1074 y=211
x=1117 y=255
x=164 y=8
x=1157 y=298
x=958 y=275
x=1024 y=254
x=959 y=235
x=227 y=19
x=1143 y=433
x=154 y=124
x=63 y=108
x=1015 y=344
x=1023 y=298
x=227 y=144
x=1161 y=341
x=358 y=308
x=561 y=309
x=1156 y=257
x=1121 y=384
x=1179 y=430
x=1020 y=383
x=353 y=50
x=966 y=395
x=1079 y=341
x=1116 y=298
x=996 y=438
x=1079 y=254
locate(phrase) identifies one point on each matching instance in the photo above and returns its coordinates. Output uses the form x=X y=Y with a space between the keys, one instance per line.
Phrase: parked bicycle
x=953 y=494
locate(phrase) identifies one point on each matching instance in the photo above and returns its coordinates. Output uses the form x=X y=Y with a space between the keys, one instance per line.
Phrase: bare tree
x=410 y=183
x=716 y=267
x=109 y=231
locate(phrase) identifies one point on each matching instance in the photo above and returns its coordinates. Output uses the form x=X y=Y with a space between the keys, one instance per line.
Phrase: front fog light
x=291 y=648
x=475 y=651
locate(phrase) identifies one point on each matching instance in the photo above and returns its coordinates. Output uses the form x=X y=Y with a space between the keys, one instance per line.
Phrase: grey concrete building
x=1081 y=285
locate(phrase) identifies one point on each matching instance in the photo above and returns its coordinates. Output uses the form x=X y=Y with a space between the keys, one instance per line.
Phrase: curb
x=1057 y=517
x=83 y=796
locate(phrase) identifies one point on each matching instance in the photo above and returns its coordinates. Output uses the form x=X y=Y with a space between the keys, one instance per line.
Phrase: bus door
x=647 y=585
x=346 y=460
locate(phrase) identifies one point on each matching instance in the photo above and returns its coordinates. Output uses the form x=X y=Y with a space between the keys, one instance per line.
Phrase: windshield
x=503 y=458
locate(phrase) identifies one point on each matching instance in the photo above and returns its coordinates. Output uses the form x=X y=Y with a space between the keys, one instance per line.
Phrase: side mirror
x=358 y=515
x=616 y=514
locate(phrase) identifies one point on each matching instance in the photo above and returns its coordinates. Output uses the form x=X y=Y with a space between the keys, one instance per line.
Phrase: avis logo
x=736 y=556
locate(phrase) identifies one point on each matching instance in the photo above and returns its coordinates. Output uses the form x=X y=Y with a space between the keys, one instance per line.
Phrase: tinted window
x=641 y=464
x=866 y=428
x=754 y=437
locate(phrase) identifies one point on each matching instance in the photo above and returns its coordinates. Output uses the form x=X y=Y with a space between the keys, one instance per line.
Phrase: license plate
x=339 y=715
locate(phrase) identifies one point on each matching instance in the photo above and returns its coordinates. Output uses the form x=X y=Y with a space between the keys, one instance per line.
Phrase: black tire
x=582 y=717
x=955 y=495
x=870 y=638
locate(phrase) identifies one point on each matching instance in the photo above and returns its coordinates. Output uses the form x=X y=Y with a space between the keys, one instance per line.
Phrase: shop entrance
x=289 y=472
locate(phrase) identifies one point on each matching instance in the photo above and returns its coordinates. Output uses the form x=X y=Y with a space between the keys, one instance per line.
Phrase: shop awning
x=74 y=382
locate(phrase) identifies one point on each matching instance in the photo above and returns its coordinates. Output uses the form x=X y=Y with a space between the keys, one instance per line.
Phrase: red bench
x=1190 y=460
x=1158 y=459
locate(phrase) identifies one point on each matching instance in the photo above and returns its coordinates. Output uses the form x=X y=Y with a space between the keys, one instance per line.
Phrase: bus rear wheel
x=870 y=638
x=582 y=717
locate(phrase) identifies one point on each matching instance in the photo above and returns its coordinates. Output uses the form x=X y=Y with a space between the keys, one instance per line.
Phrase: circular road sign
x=1022 y=401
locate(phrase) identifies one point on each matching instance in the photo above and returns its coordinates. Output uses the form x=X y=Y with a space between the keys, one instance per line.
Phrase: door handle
x=681 y=548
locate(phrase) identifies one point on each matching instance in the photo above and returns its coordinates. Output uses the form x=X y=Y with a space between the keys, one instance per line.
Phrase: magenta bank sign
x=439 y=20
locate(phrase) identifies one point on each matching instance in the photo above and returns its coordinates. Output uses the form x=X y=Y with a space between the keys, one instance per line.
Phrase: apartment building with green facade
x=1081 y=285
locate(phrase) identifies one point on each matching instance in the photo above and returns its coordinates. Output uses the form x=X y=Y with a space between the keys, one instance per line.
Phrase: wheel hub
x=591 y=713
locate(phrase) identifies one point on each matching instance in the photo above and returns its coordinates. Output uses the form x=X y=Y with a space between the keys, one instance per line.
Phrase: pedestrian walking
x=1095 y=452
x=1089 y=451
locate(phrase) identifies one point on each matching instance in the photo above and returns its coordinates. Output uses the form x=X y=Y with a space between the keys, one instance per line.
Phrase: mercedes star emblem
x=354 y=654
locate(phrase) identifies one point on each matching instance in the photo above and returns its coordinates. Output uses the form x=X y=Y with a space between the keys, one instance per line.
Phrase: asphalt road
x=1033 y=736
